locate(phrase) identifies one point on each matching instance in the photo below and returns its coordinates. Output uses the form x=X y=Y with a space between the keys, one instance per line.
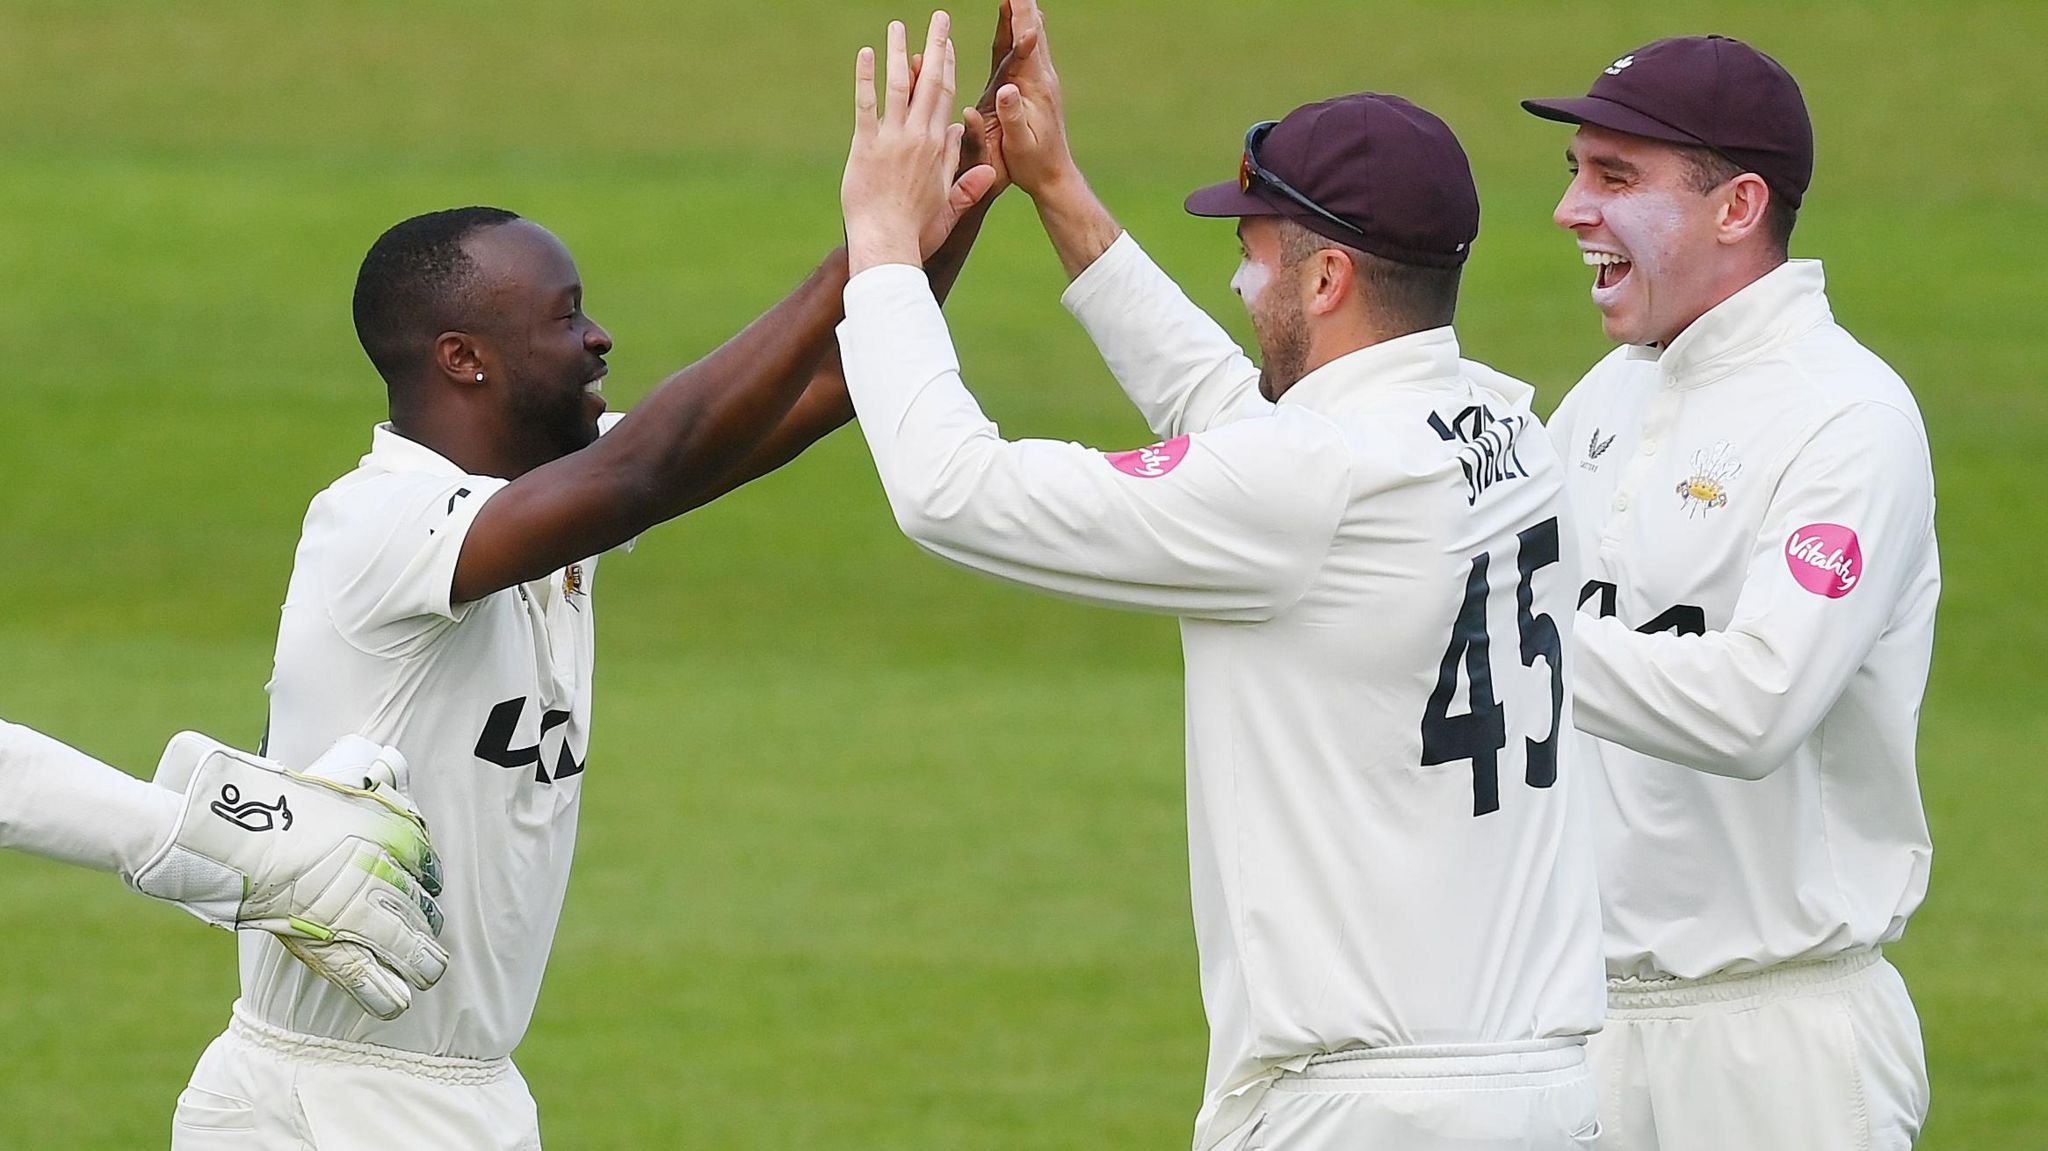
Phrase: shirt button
x=1621 y=502
x=1650 y=446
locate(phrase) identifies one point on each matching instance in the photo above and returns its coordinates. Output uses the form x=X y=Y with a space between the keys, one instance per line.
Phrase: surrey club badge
x=1707 y=487
x=572 y=584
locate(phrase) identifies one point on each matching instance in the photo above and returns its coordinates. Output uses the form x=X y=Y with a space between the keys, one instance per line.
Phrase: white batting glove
x=335 y=862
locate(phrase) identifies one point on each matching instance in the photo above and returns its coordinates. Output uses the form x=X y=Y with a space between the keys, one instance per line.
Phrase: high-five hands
x=899 y=194
x=1028 y=106
x=1028 y=139
x=983 y=141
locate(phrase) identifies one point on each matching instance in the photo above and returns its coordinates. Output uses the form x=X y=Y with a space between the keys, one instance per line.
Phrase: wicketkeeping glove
x=334 y=861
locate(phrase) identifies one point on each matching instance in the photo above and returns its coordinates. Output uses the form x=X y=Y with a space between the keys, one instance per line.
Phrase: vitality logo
x=1825 y=559
x=254 y=815
x=1149 y=463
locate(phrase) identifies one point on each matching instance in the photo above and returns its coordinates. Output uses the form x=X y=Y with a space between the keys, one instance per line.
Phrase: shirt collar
x=390 y=451
x=1416 y=358
x=1784 y=302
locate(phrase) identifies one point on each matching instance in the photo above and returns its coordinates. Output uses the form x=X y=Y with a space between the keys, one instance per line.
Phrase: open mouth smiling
x=1613 y=267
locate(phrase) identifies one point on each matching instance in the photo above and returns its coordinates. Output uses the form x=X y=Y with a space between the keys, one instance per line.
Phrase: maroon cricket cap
x=1392 y=175
x=1709 y=91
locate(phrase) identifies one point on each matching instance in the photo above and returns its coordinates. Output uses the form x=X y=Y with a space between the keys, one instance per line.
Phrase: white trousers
x=1534 y=1096
x=260 y=1088
x=1819 y=1056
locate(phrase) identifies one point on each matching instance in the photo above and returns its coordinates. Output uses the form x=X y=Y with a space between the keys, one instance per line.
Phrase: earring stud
x=479 y=377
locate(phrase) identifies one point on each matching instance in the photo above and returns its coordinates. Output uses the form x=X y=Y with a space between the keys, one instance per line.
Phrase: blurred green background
x=875 y=854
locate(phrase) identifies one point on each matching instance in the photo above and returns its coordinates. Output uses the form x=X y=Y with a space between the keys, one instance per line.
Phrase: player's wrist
x=872 y=245
x=1057 y=181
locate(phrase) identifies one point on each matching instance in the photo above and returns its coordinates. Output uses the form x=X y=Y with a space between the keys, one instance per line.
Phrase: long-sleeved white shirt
x=1757 y=532
x=1381 y=851
x=62 y=804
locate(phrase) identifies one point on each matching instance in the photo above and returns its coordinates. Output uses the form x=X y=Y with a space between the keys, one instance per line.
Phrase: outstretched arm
x=62 y=804
x=1030 y=108
x=748 y=408
x=335 y=862
x=825 y=407
x=1179 y=367
x=665 y=457
x=1225 y=526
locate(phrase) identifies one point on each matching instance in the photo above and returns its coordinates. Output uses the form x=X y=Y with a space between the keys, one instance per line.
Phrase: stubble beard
x=553 y=415
x=1283 y=346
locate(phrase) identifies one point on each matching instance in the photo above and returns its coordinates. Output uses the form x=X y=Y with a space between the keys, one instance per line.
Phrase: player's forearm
x=1173 y=360
x=669 y=454
x=764 y=423
x=61 y=804
x=1060 y=517
x=822 y=410
x=943 y=269
x=1076 y=220
x=825 y=406
x=1726 y=703
x=712 y=414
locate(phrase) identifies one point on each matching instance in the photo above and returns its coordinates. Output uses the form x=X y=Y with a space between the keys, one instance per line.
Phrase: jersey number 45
x=1481 y=733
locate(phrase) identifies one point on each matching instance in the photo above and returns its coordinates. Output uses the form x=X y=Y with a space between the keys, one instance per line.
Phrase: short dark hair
x=415 y=280
x=1707 y=170
x=1411 y=297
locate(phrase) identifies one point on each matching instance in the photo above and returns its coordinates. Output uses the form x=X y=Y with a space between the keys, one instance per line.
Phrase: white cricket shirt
x=1757 y=531
x=1377 y=857
x=490 y=703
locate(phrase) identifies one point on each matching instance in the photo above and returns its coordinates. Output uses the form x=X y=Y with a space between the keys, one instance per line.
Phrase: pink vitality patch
x=1153 y=462
x=1826 y=559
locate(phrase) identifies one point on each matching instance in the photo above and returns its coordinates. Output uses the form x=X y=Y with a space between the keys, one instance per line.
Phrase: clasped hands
x=914 y=172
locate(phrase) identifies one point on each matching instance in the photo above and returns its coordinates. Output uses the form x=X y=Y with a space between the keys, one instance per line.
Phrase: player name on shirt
x=1488 y=456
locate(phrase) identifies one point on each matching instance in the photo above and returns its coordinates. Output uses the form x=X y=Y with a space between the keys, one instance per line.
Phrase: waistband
x=1461 y=1061
x=452 y=1069
x=1627 y=995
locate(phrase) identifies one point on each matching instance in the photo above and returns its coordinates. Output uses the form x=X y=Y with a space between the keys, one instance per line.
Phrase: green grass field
x=875 y=853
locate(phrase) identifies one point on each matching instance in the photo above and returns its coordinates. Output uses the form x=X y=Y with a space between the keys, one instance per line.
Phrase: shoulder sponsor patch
x=1826 y=559
x=1149 y=463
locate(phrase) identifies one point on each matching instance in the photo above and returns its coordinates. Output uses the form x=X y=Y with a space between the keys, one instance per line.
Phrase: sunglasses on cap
x=1249 y=170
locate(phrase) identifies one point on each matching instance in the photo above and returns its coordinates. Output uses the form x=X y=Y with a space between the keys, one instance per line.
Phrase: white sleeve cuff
x=892 y=343
x=1103 y=275
x=880 y=285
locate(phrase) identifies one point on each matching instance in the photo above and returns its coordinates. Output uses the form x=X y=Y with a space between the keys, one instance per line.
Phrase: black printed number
x=1482 y=732
x=1539 y=638
x=1678 y=619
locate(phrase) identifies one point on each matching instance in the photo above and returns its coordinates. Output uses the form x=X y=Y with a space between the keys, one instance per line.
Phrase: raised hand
x=983 y=141
x=1029 y=106
x=898 y=194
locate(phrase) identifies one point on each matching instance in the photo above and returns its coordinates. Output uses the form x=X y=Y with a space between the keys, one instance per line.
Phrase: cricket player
x=441 y=601
x=1396 y=919
x=334 y=863
x=1754 y=630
